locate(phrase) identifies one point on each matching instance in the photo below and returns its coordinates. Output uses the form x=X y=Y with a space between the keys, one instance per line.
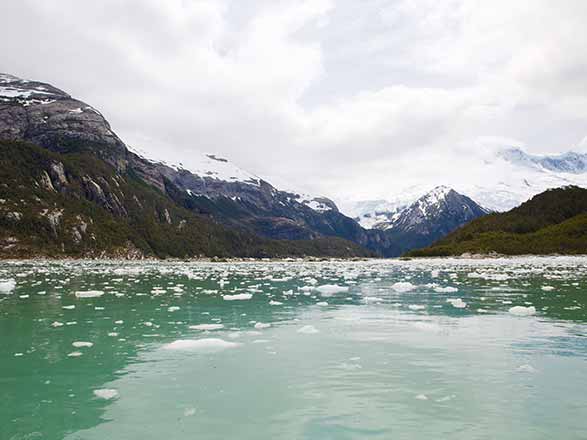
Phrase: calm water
x=380 y=349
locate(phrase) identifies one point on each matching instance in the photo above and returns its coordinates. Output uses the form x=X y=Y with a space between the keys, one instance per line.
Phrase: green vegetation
x=553 y=222
x=100 y=211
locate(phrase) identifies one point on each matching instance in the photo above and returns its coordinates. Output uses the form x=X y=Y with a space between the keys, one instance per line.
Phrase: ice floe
x=89 y=293
x=208 y=345
x=238 y=297
x=308 y=330
x=206 y=327
x=7 y=286
x=403 y=286
x=106 y=393
x=523 y=311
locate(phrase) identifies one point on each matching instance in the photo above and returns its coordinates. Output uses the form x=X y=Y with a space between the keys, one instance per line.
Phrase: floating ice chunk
x=75 y=354
x=237 y=297
x=308 y=330
x=7 y=286
x=321 y=303
x=173 y=309
x=372 y=299
x=206 y=327
x=89 y=294
x=416 y=307
x=434 y=273
x=526 y=368
x=120 y=321
x=106 y=393
x=260 y=325
x=403 y=286
x=208 y=345
x=113 y=334
x=56 y=324
x=547 y=288
x=523 y=311
x=275 y=303
x=457 y=303
x=189 y=412
x=331 y=289
x=80 y=344
x=422 y=397
x=70 y=307
x=447 y=289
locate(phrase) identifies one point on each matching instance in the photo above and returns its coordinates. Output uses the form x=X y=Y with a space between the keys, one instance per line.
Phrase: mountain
x=497 y=178
x=432 y=216
x=70 y=186
x=215 y=207
x=554 y=221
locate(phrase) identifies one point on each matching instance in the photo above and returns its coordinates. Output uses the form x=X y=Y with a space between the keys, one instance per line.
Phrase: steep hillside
x=55 y=204
x=554 y=221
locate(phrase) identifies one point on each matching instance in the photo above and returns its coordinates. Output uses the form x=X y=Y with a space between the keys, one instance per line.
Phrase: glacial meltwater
x=421 y=349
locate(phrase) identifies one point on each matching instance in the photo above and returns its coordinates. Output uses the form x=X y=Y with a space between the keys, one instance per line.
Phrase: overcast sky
x=336 y=97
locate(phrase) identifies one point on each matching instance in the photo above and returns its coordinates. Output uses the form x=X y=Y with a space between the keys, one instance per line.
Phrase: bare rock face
x=44 y=115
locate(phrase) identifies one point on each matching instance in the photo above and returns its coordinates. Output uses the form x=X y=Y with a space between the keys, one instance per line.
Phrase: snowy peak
x=570 y=162
x=13 y=89
x=441 y=209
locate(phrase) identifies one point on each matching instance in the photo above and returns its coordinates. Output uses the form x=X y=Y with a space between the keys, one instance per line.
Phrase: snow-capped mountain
x=498 y=181
x=439 y=211
x=431 y=217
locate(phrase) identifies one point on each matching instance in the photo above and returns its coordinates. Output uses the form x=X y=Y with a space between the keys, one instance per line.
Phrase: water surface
x=294 y=350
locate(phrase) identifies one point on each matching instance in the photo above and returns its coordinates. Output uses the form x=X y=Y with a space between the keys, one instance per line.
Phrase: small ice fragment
x=89 y=293
x=75 y=354
x=321 y=303
x=7 y=286
x=457 y=303
x=120 y=321
x=308 y=330
x=173 y=308
x=70 y=307
x=547 y=288
x=57 y=324
x=275 y=303
x=209 y=345
x=113 y=334
x=526 y=368
x=331 y=289
x=189 y=412
x=106 y=393
x=403 y=286
x=260 y=325
x=206 y=327
x=416 y=307
x=422 y=397
x=522 y=311
x=237 y=297
x=80 y=344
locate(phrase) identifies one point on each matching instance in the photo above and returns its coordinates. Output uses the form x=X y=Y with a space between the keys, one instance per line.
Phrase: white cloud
x=340 y=97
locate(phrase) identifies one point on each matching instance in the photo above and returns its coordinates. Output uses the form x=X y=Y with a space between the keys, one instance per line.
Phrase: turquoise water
x=452 y=349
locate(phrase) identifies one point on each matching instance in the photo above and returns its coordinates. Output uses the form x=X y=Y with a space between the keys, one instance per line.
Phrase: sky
x=344 y=98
